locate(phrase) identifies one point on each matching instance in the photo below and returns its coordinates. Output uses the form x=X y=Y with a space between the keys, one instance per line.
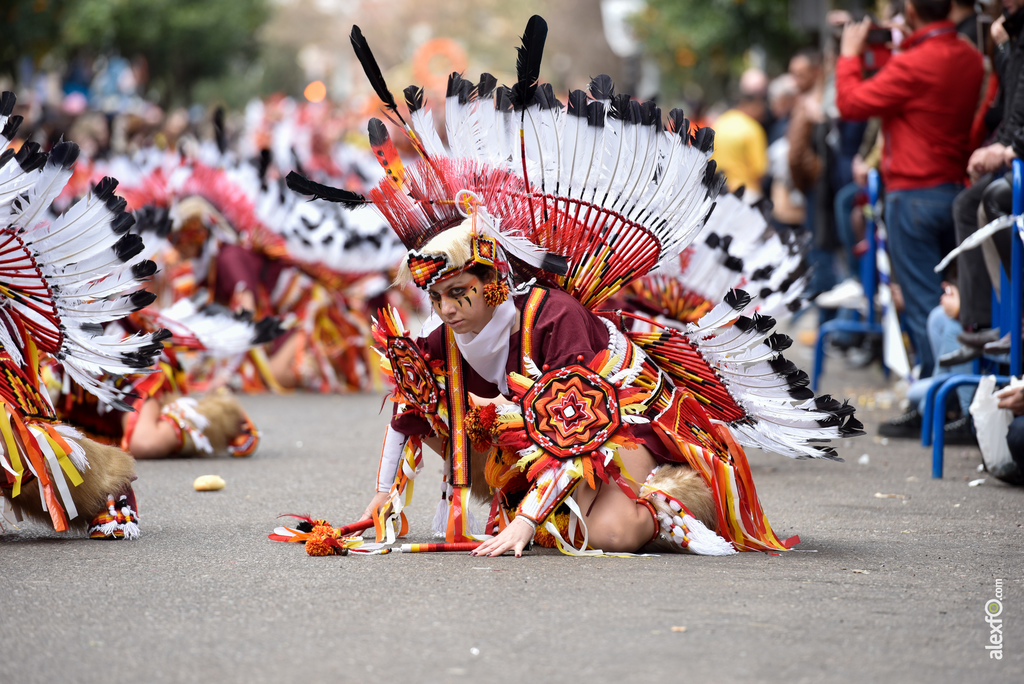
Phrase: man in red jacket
x=926 y=96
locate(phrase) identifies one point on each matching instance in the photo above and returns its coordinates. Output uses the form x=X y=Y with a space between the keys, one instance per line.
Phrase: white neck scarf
x=487 y=351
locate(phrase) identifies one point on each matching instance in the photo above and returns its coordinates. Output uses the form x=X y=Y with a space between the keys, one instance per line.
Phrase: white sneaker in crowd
x=848 y=294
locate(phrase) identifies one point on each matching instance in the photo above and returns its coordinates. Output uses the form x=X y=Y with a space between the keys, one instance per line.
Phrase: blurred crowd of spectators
x=926 y=93
x=99 y=104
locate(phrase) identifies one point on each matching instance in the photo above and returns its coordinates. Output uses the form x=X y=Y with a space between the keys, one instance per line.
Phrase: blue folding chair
x=868 y=278
x=934 y=415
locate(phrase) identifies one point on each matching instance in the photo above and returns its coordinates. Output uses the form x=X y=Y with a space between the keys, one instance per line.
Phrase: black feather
x=64 y=154
x=143 y=269
x=826 y=403
x=852 y=428
x=161 y=335
x=801 y=393
x=619 y=109
x=778 y=341
x=304 y=186
x=763 y=323
x=266 y=156
x=503 y=99
x=485 y=88
x=734 y=263
x=29 y=157
x=115 y=203
x=122 y=222
x=602 y=87
x=6 y=156
x=765 y=293
x=650 y=114
x=267 y=329
x=740 y=191
x=595 y=114
x=743 y=324
x=128 y=246
x=712 y=240
x=798 y=379
x=93 y=329
x=783 y=366
x=7 y=100
x=528 y=62
x=413 y=98
x=141 y=298
x=737 y=299
x=635 y=112
x=578 y=104
x=219 y=133
x=704 y=139
x=545 y=97
x=104 y=190
x=372 y=70
x=679 y=124
x=11 y=127
x=460 y=87
x=795 y=305
x=377 y=131
x=709 y=173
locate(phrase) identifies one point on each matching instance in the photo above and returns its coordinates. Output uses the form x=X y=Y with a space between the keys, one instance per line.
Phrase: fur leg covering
x=110 y=471
x=213 y=424
x=684 y=511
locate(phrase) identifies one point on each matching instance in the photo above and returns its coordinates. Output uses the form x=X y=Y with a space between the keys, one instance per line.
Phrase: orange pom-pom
x=495 y=293
x=322 y=541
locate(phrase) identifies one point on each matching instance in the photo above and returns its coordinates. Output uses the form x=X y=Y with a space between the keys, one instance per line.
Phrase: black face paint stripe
x=468 y=302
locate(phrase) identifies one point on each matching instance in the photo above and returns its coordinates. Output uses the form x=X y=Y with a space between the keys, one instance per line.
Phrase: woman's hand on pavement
x=515 y=537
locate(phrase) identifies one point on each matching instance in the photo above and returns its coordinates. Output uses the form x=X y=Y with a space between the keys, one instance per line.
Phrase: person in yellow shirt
x=741 y=145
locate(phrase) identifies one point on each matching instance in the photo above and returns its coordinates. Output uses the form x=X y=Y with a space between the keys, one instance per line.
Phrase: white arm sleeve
x=390 y=457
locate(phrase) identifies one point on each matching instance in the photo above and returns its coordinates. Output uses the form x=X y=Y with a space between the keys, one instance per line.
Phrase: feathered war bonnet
x=590 y=196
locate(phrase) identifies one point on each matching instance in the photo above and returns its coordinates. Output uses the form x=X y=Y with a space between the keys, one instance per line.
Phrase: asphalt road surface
x=889 y=584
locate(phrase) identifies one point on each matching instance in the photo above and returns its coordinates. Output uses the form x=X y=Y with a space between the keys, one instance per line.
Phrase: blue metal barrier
x=869 y=280
x=1009 y=314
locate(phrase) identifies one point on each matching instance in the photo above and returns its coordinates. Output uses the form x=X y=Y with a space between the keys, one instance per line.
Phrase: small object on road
x=208 y=483
x=880 y=495
x=864 y=459
x=975 y=483
x=679 y=629
x=861 y=572
x=474 y=651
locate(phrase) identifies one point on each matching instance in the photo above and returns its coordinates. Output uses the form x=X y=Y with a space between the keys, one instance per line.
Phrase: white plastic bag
x=991 y=424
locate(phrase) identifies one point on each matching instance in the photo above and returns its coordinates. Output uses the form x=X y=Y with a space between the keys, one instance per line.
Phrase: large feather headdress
x=602 y=182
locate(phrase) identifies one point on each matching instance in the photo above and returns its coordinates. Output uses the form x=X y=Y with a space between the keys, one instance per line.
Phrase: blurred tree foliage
x=705 y=41
x=184 y=42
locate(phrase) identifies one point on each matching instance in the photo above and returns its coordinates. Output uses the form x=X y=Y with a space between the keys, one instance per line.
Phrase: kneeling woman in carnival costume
x=593 y=430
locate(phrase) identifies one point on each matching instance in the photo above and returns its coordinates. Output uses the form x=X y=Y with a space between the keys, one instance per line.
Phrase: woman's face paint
x=458 y=302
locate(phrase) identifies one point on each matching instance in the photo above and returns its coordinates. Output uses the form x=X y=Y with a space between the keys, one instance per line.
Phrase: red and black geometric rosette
x=571 y=411
x=413 y=376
